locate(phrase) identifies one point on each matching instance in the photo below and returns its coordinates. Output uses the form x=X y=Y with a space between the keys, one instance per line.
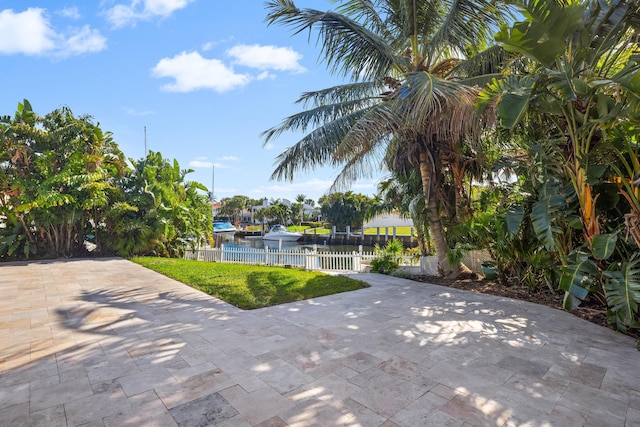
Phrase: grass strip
x=250 y=286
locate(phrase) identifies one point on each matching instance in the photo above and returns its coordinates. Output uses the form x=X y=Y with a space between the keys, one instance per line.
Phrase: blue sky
x=205 y=78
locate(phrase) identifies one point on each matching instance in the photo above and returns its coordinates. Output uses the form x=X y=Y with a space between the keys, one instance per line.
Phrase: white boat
x=224 y=229
x=280 y=232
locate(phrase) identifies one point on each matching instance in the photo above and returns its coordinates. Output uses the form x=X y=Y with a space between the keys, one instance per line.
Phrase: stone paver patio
x=109 y=343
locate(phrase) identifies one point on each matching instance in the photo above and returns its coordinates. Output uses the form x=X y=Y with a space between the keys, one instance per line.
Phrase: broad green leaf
x=512 y=109
x=542 y=36
x=544 y=216
x=595 y=172
x=571 y=302
x=514 y=218
x=577 y=280
x=575 y=222
x=603 y=245
x=623 y=293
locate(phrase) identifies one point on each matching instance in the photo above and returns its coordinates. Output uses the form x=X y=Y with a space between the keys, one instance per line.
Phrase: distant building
x=388 y=220
x=215 y=208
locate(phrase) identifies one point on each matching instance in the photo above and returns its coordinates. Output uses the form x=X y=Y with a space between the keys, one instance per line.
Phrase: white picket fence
x=308 y=259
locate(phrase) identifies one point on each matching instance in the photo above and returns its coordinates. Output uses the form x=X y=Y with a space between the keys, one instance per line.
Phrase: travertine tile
x=110 y=402
x=147 y=410
x=49 y=417
x=147 y=379
x=207 y=410
x=198 y=386
x=14 y=395
x=61 y=393
x=258 y=406
x=109 y=343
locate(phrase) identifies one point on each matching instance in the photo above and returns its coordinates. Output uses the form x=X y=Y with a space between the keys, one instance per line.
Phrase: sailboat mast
x=213 y=186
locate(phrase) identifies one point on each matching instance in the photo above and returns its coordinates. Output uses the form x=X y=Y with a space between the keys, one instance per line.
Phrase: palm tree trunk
x=421 y=243
x=433 y=216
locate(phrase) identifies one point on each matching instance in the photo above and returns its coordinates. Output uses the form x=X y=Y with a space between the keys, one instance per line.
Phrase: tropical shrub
x=571 y=100
x=64 y=182
x=387 y=257
x=58 y=176
x=160 y=213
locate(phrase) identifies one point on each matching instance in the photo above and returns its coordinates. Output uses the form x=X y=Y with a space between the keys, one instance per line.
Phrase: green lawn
x=318 y=230
x=249 y=286
x=400 y=231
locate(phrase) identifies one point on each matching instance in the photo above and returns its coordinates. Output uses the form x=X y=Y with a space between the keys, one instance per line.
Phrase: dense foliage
x=66 y=189
x=413 y=69
x=346 y=209
x=573 y=109
x=544 y=175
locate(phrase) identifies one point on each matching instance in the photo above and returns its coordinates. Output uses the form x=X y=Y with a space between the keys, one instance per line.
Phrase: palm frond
x=316 y=117
x=465 y=24
x=364 y=165
x=611 y=40
x=488 y=62
x=342 y=93
x=375 y=126
x=436 y=107
x=315 y=149
x=347 y=46
x=365 y=11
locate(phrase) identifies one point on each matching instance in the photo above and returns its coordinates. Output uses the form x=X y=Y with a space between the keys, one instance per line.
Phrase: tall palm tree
x=405 y=61
x=300 y=198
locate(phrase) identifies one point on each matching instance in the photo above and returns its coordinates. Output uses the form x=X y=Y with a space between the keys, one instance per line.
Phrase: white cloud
x=134 y=112
x=84 y=40
x=370 y=186
x=191 y=71
x=122 y=15
x=265 y=75
x=208 y=46
x=27 y=32
x=267 y=57
x=312 y=186
x=30 y=33
x=200 y=164
x=226 y=191
x=268 y=146
x=229 y=158
x=70 y=12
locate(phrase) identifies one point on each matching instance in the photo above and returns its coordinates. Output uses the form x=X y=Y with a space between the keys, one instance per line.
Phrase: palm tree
x=278 y=210
x=407 y=86
x=300 y=198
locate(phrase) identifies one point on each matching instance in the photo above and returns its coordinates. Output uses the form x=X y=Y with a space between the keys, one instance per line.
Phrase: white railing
x=308 y=259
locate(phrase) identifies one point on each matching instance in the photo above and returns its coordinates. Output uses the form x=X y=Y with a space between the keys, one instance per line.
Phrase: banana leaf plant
x=622 y=288
x=582 y=73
